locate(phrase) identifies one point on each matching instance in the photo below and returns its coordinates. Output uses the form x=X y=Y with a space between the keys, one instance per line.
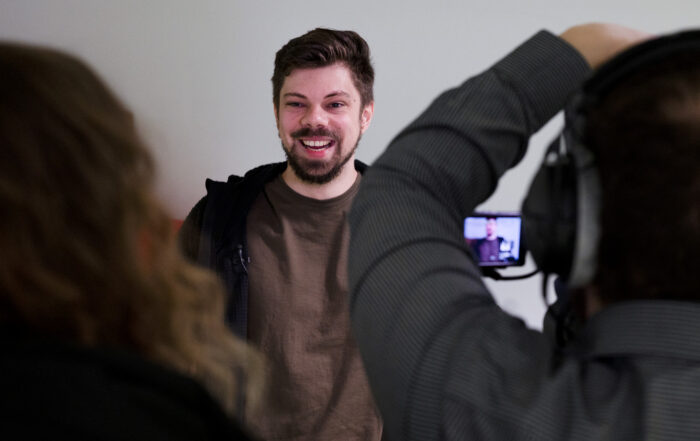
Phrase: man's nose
x=315 y=116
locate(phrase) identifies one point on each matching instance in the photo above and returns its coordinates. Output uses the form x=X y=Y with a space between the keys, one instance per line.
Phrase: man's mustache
x=307 y=132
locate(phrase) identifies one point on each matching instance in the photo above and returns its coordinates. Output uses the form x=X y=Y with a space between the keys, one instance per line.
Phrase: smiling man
x=278 y=237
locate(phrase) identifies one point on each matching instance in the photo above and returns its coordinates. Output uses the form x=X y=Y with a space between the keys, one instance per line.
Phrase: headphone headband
x=631 y=60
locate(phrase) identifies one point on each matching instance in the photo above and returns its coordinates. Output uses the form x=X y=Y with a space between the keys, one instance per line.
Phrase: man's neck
x=337 y=186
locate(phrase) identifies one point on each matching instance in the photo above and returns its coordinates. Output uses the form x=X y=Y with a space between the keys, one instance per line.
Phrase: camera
x=495 y=238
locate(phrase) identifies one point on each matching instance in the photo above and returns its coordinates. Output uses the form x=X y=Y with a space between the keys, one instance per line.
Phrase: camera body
x=495 y=238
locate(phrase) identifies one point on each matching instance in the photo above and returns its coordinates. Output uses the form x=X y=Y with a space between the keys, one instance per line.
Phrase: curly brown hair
x=87 y=253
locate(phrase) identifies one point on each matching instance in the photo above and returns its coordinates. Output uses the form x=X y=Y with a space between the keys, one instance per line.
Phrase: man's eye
x=294 y=104
x=337 y=105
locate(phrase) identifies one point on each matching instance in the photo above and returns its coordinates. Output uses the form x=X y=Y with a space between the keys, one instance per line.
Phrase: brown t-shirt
x=298 y=316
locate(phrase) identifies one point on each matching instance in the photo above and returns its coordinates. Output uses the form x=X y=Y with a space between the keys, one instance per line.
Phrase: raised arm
x=432 y=338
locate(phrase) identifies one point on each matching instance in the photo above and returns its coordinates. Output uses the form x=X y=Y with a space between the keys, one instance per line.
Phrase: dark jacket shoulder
x=59 y=390
x=223 y=194
x=226 y=206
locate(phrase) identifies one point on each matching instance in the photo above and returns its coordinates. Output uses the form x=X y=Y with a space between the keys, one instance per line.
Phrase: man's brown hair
x=646 y=137
x=324 y=47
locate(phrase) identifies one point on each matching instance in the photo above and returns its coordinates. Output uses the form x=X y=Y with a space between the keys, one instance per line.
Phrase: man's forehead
x=330 y=81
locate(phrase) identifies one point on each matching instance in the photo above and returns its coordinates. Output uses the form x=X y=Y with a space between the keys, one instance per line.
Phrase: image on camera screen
x=495 y=238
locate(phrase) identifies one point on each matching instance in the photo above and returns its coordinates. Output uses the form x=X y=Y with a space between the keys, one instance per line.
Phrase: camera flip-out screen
x=495 y=238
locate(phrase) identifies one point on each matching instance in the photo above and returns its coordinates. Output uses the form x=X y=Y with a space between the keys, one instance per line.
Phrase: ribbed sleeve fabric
x=418 y=300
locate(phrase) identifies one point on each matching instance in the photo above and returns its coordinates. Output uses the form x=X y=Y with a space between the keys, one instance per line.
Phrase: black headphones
x=562 y=208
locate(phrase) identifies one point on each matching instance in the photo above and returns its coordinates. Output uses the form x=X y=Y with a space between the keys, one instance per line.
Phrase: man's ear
x=366 y=116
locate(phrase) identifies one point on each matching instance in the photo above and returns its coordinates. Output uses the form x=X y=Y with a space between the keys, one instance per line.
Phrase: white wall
x=197 y=72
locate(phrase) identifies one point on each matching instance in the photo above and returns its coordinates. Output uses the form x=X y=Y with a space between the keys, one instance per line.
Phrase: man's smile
x=317 y=144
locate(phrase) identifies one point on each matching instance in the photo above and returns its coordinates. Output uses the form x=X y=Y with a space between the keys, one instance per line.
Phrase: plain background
x=197 y=73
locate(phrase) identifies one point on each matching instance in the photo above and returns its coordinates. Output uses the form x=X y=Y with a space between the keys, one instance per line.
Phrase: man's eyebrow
x=330 y=95
x=294 y=94
x=338 y=93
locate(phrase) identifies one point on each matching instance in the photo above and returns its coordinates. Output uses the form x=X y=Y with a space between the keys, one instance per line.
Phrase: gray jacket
x=445 y=362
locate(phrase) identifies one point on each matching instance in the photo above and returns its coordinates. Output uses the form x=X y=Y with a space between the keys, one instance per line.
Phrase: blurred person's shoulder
x=58 y=389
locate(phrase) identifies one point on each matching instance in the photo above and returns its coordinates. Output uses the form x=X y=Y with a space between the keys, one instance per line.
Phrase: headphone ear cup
x=550 y=213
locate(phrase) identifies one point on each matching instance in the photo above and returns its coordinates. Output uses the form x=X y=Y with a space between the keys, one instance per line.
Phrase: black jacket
x=60 y=391
x=214 y=234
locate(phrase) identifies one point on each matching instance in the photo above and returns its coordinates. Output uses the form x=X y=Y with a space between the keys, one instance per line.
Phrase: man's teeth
x=316 y=144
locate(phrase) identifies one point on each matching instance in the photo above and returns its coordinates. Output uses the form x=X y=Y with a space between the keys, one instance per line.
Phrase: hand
x=598 y=42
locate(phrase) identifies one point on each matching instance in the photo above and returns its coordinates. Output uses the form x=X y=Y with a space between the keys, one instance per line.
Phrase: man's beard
x=318 y=172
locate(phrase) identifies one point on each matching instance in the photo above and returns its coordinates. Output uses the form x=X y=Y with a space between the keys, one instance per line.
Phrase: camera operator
x=444 y=361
